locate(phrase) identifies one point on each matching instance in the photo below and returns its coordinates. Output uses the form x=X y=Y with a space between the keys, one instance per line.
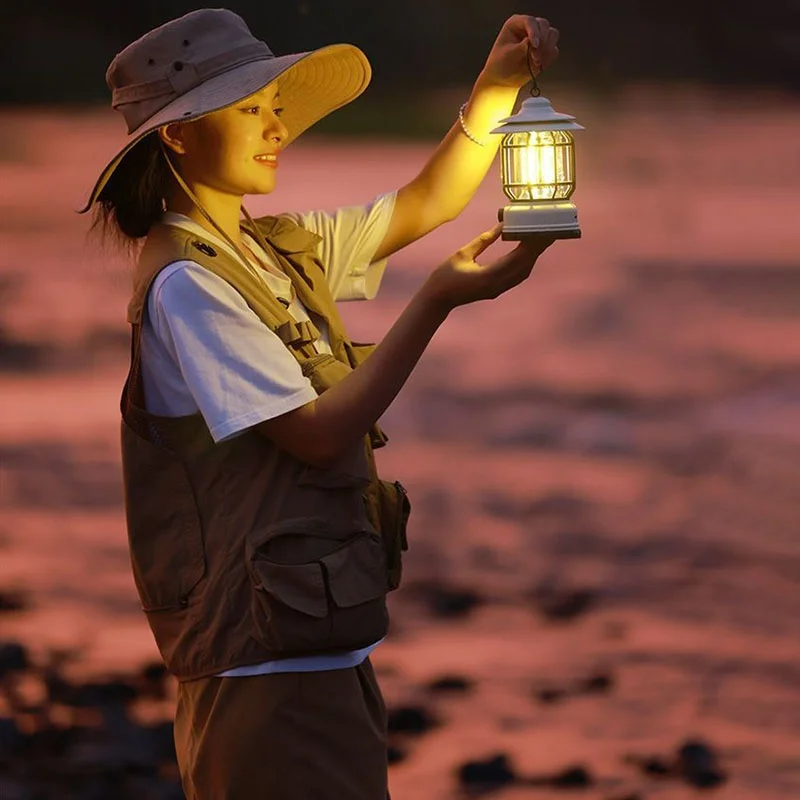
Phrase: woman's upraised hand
x=461 y=280
x=507 y=64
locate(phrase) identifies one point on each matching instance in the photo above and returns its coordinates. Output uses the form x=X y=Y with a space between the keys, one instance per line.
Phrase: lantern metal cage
x=538 y=165
x=538 y=172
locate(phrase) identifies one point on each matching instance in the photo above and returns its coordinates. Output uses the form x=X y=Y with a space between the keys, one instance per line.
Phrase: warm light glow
x=538 y=165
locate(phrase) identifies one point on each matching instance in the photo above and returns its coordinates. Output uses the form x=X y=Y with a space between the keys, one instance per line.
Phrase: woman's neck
x=225 y=210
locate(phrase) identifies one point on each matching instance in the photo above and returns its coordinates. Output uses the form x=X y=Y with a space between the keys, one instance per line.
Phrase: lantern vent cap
x=537 y=114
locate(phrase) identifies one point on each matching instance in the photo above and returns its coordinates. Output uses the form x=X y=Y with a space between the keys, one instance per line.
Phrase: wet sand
x=603 y=464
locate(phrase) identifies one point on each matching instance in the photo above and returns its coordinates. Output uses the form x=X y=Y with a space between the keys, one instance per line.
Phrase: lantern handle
x=535 y=90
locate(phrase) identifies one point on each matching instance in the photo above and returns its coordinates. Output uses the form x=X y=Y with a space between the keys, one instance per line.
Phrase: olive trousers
x=287 y=736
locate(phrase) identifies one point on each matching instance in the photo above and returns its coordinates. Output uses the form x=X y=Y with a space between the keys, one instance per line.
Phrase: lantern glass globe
x=538 y=165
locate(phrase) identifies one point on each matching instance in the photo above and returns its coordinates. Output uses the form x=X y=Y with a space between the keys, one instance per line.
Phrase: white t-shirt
x=203 y=348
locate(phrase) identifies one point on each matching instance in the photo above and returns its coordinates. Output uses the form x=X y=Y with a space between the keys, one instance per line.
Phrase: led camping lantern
x=538 y=166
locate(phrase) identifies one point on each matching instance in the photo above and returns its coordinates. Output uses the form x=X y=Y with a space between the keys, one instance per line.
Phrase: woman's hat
x=207 y=60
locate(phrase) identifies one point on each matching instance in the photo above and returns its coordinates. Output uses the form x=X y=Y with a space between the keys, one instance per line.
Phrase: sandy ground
x=623 y=428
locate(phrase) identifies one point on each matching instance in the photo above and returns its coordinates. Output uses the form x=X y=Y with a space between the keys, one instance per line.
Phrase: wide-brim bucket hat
x=208 y=60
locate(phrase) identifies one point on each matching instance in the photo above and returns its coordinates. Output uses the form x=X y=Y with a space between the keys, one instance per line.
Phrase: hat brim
x=312 y=85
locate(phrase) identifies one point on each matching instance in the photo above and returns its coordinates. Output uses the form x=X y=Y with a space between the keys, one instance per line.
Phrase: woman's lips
x=267 y=160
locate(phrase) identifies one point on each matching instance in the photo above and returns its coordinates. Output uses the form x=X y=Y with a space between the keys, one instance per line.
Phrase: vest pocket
x=164 y=533
x=316 y=589
x=389 y=509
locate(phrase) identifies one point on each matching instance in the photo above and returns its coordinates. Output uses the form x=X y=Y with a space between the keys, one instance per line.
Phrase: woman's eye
x=277 y=111
x=252 y=110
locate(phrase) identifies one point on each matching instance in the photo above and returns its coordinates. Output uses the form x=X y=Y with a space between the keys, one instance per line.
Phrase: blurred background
x=602 y=589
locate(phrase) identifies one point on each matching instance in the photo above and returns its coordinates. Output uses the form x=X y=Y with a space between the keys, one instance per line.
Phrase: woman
x=262 y=541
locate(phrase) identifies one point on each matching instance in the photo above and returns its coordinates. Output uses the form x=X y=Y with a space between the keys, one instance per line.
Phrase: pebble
x=577 y=777
x=12 y=601
x=596 y=683
x=451 y=683
x=697 y=763
x=11 y=739
x=549 y=695
x=480 y=777
x=411 y=720
x=563 y=605
x=396 y=754
x=448 y=603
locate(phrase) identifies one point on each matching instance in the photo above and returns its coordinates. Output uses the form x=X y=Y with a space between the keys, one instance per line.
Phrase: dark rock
x=450 y=683
x=597 y=683
x=448 y=603
x=549 y=695
x=101 y=694
x=652 y=766
x=50 y=743
x=396 y=754
x=564 y=605
x=479 y=777
x=154 y=671
x=107 y=693
x=572 y=778
x=656 y=767
x=412 y=720
x=21 y=356
x=59 y=690
x=697 y=764
x=162 y=742
x=153 y=679
x=13 y=658
x=11 y=738
x=12 y=601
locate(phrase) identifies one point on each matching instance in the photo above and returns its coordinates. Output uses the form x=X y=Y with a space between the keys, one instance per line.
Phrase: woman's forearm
x=458 y=165
x=346 y=411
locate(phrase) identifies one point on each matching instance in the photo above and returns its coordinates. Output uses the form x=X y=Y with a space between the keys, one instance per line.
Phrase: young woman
x=262 y=541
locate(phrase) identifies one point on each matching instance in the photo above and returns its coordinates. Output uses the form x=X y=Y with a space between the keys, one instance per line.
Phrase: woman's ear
x=172 y=135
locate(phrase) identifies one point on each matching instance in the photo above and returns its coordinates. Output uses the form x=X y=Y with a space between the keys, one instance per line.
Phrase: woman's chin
x=264 y=185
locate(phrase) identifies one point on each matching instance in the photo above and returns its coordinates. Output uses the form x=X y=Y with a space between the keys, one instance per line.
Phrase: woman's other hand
x=507 y=63
x=461 y=280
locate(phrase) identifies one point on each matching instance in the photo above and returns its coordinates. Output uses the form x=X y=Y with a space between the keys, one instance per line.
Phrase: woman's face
x=235 y=151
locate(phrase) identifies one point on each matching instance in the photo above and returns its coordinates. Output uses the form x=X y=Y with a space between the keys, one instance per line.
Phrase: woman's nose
x=275 y=130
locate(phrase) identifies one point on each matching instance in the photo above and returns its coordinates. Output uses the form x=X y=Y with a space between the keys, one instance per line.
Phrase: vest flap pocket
x=356 y=572
x=300 y=586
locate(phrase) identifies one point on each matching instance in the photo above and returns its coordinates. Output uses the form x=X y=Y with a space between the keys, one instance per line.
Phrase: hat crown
x=176 y=57
x=196 y=36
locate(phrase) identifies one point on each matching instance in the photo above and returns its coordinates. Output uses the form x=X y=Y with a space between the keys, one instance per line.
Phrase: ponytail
x=133 y=199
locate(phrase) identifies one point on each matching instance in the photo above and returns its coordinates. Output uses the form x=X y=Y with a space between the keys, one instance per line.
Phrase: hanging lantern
x=538 y=168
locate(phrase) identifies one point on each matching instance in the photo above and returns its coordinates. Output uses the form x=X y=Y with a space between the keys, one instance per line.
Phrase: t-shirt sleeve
x=350 y=237
x=237 y=370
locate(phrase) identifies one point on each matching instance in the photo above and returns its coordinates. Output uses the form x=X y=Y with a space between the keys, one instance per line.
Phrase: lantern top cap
x=537 y=114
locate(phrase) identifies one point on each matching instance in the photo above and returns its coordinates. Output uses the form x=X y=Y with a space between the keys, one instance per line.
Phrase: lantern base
x=556 y=220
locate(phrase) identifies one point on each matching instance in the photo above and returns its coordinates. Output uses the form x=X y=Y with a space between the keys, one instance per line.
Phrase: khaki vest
x=241 y=553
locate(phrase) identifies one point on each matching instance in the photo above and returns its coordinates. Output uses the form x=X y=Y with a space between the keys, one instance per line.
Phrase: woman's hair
x=133 y=199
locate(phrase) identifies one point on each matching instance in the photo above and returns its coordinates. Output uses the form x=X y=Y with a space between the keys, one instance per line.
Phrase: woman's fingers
x=479 y=244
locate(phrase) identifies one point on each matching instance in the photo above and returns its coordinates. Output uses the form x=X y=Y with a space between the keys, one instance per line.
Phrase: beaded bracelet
x=465 y=129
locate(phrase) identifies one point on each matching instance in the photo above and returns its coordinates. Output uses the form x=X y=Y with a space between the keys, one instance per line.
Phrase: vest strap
x=294 y=334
